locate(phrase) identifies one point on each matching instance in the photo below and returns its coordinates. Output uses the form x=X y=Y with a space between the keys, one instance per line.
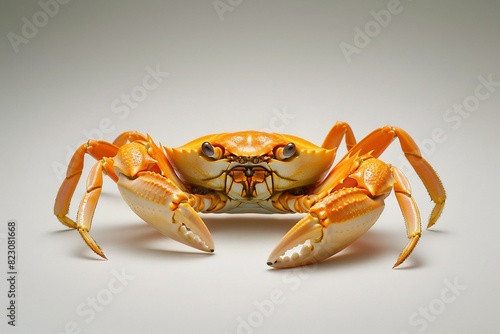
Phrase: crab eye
x=289 y=150
x=286 y=151
x=210 y=151
x=207 y=149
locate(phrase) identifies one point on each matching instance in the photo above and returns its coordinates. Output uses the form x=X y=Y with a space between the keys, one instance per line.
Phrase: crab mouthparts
x=249 y=176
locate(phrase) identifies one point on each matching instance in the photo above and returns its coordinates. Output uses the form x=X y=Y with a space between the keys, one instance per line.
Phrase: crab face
x=250 y=166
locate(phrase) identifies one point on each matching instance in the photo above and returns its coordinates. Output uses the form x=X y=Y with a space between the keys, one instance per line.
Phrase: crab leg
x=88 y=205
x=98 y=150
x=411 y=215
x=376 y=143
x=335 y=135
x=128 y=137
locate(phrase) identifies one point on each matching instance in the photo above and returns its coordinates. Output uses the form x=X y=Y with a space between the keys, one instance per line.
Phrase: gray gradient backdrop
x=82 y=69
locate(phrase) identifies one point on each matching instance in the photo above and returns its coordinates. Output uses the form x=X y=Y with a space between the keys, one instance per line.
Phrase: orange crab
x=258 y=172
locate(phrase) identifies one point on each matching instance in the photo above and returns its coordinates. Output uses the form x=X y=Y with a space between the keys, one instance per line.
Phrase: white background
x=234 y=70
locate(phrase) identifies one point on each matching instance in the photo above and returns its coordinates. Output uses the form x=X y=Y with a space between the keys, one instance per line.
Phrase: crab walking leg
x=161 y=204
x=411 y=215
x=128 y=137
x=98 y=150
x=335 y=135
x=88 y=205
x=376 y=143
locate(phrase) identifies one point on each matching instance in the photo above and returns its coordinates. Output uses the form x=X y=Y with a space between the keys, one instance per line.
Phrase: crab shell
x=307 y=165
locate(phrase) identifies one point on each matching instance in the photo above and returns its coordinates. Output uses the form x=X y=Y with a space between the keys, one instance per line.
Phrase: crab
x=256 y=172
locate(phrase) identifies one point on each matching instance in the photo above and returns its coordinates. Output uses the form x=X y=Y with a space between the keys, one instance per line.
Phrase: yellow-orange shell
x=307 y=167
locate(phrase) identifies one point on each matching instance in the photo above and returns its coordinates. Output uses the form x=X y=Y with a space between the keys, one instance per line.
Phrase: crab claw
x=162 y=205
x=331 y=225
x=298 y=245
x=188 y=228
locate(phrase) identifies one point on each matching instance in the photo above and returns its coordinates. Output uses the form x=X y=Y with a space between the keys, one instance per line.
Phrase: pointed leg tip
x=99 y=252
x=401 y=259
x=435 y=214
x=412 y=242
x=432 y=221
x=91 y=243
